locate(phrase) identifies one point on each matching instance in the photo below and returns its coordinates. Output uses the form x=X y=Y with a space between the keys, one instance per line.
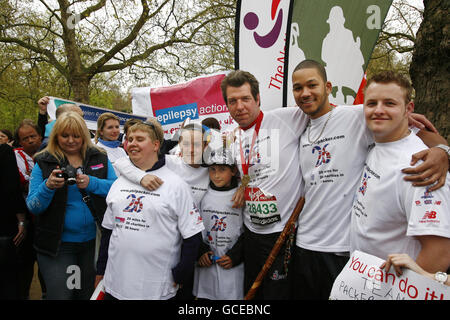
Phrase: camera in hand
x=69 y=174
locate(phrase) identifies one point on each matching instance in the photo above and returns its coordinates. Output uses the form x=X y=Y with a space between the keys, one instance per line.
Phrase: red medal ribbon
x=246 y=164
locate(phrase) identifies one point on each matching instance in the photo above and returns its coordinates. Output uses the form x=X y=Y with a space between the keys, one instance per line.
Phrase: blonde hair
x=73 y=123
x=101 y=123
x=153 y=129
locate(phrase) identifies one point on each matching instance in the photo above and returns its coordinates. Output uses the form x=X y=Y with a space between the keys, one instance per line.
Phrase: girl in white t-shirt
x=219 y=274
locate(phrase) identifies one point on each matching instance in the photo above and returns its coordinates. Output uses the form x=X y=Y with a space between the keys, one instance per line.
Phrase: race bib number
x=262 y=208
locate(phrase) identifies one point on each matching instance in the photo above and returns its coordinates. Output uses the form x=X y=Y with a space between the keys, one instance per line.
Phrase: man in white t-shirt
x=266 y=150
x=333 y=151
x=389 y=215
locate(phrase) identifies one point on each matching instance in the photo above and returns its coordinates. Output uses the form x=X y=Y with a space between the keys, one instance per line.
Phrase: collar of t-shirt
x=159 y=164
x=111 y=144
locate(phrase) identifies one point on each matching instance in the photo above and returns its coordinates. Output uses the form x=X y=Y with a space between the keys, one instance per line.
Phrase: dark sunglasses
x=152 y=126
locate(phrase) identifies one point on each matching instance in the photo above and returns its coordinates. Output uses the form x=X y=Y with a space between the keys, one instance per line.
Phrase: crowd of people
x=127 y=212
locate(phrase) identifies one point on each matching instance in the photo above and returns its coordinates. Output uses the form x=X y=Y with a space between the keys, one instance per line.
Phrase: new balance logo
x=429 y=215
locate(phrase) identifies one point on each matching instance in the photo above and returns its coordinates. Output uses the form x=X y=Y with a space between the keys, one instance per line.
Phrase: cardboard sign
x=362 y=279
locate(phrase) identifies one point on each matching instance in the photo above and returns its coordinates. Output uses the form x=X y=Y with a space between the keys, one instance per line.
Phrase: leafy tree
x=22 y=82
x=395 y=43
x=84 y=38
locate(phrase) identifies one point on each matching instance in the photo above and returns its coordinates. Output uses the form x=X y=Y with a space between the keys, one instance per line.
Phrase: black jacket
x=11 y=198
x=50 y=224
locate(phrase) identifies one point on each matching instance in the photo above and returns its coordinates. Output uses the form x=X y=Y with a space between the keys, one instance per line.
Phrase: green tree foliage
x=395 y=44
x=152 y=39
x=95 y=51
x=23 y=80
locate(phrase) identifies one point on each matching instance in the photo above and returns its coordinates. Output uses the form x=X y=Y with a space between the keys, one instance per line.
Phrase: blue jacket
x=61 y=214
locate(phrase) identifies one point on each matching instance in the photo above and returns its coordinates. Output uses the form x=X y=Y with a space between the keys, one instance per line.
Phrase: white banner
x=196 y=100
x=260 y=46
x=362 y=279
x=273 y=36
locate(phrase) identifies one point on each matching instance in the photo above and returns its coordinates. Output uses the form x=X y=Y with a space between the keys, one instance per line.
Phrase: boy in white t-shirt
x=219 y=274
x=389 y=215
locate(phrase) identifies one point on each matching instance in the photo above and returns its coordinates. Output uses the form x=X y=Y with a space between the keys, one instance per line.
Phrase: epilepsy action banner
x=362 y=279
x=340 y=34
x=196 y=99
x=91 y=113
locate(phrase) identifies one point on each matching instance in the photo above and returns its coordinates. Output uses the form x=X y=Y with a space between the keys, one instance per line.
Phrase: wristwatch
x=445 y=148
x=440 y=277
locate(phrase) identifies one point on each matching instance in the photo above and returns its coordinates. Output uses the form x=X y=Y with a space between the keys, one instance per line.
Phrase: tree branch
x=86 y=13
x=95 y=67
x=51 y=58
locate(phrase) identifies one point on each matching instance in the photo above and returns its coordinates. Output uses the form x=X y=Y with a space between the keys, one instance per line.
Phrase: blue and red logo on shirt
x=363 y=187
x=135 y=204
x=323 y=156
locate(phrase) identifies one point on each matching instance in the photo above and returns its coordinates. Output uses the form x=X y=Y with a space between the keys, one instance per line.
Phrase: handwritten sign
x=362 y=279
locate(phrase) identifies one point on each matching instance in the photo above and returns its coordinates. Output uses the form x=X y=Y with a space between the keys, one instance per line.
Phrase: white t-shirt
x=331 y=170
x=113 y=153
x=389 y=212
x=196 y=178
x=223 y=226
x=147 y=232
x=276 y=183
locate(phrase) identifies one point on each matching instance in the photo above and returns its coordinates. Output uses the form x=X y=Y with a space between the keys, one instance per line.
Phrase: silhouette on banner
x=345 y=67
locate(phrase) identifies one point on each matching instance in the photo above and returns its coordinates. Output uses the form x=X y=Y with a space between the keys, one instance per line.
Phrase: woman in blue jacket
x=65 y=224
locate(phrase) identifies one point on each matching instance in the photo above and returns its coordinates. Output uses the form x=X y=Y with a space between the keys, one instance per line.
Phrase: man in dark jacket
x=12 y=228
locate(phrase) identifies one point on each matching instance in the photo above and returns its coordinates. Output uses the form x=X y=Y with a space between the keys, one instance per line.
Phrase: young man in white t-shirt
x=333 y=150
x=389 y=215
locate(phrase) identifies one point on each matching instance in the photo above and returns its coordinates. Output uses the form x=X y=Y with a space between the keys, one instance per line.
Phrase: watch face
x=440 y=277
